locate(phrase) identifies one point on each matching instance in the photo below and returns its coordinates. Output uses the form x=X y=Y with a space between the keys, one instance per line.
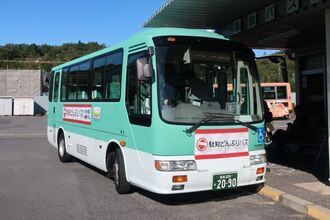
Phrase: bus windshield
x=202 y=76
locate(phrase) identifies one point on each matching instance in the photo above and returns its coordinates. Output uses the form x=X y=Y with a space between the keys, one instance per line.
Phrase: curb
x=295 y=203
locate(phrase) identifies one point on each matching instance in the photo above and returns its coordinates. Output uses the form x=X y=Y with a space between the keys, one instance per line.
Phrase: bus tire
x=61 y=150
x=110 y=162
x=122 y=186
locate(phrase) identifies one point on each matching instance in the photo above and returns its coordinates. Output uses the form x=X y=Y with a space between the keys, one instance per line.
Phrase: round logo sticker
x=201 y=144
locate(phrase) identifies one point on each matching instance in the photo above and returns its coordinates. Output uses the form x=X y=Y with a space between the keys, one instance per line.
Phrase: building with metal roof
x=301 y=27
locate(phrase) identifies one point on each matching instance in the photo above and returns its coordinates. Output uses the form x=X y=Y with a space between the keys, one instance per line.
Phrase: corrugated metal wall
x=20 y=83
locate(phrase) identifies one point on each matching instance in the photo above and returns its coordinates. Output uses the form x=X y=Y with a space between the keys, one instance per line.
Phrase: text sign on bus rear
x=221 y=143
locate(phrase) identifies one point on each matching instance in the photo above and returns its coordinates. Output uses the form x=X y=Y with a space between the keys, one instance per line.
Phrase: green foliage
x=270 y=72
x=36 y=55
x=43 y=56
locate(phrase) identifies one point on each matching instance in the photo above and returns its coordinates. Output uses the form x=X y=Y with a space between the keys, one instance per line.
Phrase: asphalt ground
x=34 y=184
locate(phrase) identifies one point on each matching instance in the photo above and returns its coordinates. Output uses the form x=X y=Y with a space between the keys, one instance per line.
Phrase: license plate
x=224 y=181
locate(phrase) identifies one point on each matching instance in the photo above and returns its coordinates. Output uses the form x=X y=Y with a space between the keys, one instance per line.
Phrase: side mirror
x=144 y=69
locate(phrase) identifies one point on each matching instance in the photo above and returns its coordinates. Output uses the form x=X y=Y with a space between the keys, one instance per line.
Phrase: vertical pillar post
x=327 y=39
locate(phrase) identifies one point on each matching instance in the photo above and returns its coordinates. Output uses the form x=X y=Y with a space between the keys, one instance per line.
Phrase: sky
x=61 y=21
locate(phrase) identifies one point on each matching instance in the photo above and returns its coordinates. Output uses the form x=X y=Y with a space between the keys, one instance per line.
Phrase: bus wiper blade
x=193 y=128
x=246 y=124
x=225 y=118
x=209 y=117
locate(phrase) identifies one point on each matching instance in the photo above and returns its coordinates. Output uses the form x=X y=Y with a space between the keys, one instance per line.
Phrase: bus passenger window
x=56 y=84
x=83 y=79
x=78 y=82
x=98 y=75
x=64 y=84
x=113 y=76
x=51 y=81
x=281 y=92
x=72 y=84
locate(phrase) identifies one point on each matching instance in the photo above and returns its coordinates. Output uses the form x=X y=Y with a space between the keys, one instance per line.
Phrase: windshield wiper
x=246 y=124
x=198 y=124
x=210 y=117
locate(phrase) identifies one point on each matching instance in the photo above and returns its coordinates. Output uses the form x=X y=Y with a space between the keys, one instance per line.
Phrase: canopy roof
x=303 y=27
x=203 y=14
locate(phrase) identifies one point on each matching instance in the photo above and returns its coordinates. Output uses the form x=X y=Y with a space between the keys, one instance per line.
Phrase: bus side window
x=281 y=92
x=78 y=82
x=113 y=76
x=83 y=81
x=50 y=92
x=245 y=90
x=64 y=84
x=56 y=84
x=72 y=83
x=98 y=76
x=138 y=94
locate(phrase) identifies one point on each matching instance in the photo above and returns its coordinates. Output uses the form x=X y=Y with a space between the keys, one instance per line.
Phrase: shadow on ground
x=185 y=198
x=311 y=162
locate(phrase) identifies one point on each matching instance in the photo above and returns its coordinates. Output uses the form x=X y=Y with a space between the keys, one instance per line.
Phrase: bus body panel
x=109 y=123
x=145 y=176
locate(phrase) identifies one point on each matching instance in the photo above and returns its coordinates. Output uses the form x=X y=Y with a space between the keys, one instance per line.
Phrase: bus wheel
x=122 y=186
x=62 y=154
x=111 y=156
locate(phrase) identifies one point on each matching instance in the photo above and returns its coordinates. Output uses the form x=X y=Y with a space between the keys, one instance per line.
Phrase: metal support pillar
x=327 y=39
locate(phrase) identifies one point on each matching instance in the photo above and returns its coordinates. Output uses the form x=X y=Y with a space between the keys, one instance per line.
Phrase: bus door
x=53 y=105
x=138 y=99
x=244 y=96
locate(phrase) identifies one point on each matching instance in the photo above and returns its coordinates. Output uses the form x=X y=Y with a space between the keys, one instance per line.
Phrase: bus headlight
x=258 y=159
x=175 y=165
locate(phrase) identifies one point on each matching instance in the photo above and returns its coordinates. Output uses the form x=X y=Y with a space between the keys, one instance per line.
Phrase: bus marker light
x=259 y=178
x=122 y=143
x=260 y=170
x=177 y=187
x=179 y=179
x=158 y=166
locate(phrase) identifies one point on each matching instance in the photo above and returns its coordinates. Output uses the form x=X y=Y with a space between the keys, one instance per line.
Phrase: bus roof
x=144 y=35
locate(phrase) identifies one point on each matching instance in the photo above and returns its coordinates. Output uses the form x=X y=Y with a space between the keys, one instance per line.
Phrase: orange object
x=179 y=179
x=122 y=143
x=260 y=170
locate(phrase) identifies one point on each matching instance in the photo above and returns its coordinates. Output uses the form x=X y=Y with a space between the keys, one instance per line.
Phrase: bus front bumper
x=205 y=178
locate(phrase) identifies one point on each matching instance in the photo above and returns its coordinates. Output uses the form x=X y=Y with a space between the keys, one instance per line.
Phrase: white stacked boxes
x=23 y=106
x=6 y=105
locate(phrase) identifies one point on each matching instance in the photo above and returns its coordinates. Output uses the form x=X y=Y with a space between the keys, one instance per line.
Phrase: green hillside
x=32 y=56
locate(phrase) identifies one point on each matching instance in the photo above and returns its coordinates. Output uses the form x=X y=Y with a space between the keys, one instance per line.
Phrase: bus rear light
x=179 y=179
x=260 y=170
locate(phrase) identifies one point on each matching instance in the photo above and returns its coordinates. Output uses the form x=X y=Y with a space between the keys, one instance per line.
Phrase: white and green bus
x=155 y=112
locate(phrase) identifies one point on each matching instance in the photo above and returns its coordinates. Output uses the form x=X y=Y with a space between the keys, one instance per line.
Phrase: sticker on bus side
x=78 y=113
x=221 y=143
x=97 y=112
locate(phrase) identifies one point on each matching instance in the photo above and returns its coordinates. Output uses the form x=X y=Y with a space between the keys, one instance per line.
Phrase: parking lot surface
x=34 y=184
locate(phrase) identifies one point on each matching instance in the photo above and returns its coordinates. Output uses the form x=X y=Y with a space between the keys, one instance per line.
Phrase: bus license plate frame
x=224 y=181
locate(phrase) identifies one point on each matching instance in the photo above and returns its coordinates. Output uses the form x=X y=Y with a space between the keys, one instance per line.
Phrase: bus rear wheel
x=122 y=186
x=61 y=150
